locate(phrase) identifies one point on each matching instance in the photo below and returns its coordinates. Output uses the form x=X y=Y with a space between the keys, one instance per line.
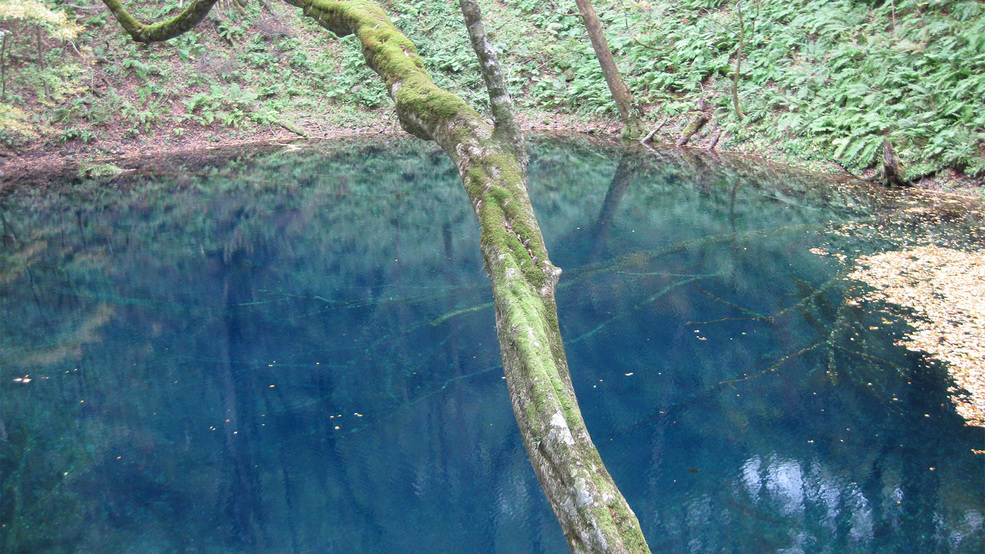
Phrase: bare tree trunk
x=505 y=125
x=3 y=64
x=629 y=112
x=593 y=513
x=44 y=80
x=891 y=169
x=738 y=63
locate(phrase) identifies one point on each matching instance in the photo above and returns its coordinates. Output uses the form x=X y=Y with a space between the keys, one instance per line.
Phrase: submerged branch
x=636 y=307
x=776 y=365
x=771 y=319
x=867 y=356
x=752 y=315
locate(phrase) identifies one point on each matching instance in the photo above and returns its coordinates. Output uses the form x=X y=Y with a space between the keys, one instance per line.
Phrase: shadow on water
x=293 y=350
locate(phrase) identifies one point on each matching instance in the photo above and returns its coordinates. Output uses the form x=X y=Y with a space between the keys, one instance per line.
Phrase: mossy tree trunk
x=593 y=513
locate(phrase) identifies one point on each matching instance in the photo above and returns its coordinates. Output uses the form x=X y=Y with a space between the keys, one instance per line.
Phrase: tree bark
x=629 y=112
x=3 y=64
x=593 y=513
x=892 y=171
x=185 y=21
x=44 y=80
x=738 y=64
x=716 y=134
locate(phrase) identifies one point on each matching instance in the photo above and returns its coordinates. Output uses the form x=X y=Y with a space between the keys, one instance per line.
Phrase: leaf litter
x=945 y=289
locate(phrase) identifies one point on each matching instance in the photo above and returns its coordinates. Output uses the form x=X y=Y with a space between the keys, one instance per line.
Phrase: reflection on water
x=295 y=351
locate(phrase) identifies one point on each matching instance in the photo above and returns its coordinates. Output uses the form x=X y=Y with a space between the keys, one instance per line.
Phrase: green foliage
x=231 y=106
x=442 y=40
x=348 y=79
x=27 y=29
x=566 y=74
x=819 y=79
x=84 y=135
x=15 y=129
x=822 y=79
x=826 y=79
x=34 y=12
x=143 y=70
x=232 y=31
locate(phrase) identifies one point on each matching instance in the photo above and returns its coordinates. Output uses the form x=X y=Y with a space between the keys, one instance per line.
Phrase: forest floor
x=266 y=73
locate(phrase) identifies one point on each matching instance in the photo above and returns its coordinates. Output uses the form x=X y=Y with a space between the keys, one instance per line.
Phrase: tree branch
x=500 y=101
x=158 y=32
x=593 y=513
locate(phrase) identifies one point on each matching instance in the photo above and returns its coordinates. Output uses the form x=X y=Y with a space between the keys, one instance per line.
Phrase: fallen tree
x=492 y=165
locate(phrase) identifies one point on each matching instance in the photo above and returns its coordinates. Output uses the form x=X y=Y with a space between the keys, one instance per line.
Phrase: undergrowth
x=822 y=79
x=818 y=80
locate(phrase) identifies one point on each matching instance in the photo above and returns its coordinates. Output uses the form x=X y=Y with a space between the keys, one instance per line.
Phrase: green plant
x=230 y=31
x=828 y=79
x=354 y=82
x=231 y=106
x=84 y=135
x=142 y=70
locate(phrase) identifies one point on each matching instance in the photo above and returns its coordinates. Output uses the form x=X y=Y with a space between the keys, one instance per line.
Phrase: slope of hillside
x=821 y=82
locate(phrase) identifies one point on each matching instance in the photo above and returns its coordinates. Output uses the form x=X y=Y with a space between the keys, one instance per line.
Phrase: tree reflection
x=295 y=351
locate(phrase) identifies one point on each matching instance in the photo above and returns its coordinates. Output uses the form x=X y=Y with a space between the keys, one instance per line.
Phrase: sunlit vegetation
x=822 y=79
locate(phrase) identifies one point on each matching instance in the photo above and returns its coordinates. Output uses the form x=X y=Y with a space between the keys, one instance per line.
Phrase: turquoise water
x=294 y=351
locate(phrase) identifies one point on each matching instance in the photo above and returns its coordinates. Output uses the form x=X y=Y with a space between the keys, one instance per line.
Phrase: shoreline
x=30 y=165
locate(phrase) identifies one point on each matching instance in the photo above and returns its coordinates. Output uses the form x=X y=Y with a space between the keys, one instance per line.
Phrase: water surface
x=294 y=351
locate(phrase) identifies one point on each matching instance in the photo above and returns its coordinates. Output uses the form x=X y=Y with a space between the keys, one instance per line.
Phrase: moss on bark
x=165 y=30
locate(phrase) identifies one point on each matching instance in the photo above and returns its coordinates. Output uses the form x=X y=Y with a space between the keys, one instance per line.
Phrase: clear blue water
x=294 y=352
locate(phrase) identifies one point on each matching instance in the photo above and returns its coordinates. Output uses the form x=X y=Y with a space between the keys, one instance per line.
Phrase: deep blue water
x=295 y=352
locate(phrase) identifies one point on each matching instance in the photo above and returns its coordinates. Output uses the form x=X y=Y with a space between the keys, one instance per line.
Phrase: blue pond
x=293 y=350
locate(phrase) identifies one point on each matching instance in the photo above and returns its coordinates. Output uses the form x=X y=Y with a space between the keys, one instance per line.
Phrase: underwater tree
x=492 y=165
